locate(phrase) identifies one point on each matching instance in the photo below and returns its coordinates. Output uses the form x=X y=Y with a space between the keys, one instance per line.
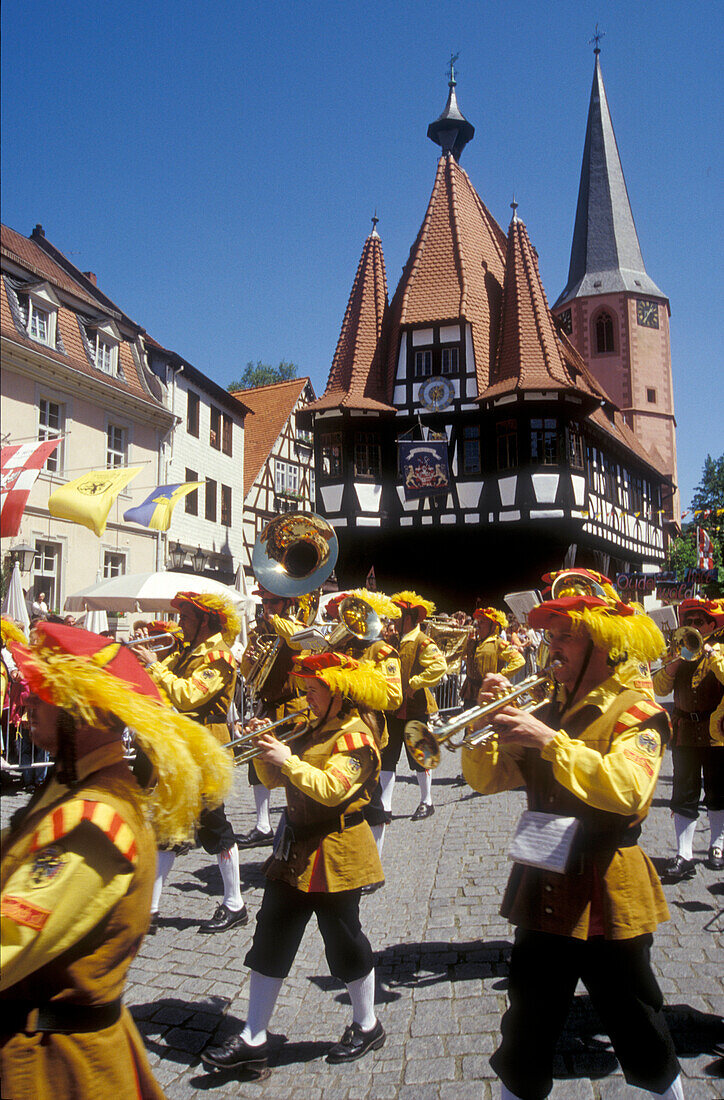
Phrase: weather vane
x=598 y=35
x=451 y=70
x=375 y=219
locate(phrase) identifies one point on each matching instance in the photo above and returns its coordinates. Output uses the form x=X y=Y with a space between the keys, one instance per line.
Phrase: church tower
x=612 y=311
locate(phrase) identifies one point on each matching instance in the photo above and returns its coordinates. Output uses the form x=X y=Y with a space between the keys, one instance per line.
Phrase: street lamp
x=177 y=556
x=24 y=555
x=198 y=560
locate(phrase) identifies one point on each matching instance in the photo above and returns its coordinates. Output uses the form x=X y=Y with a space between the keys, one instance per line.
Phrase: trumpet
x=300 y=722
x=154 y=642
x=687 y=644
x=425 y=744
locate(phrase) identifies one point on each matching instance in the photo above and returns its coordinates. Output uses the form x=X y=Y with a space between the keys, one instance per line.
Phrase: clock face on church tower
x=647 y=313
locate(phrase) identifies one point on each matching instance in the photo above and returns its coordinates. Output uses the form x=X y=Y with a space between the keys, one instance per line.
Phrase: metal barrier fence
x=21 y=756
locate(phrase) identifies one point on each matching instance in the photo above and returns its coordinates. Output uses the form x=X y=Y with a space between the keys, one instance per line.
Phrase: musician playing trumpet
x=277 y=620
x=324 y=854
x=698 y=739
x=487 y=651
x=589 y=761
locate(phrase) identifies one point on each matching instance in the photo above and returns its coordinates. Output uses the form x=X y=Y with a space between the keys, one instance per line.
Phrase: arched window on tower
x=604 y=333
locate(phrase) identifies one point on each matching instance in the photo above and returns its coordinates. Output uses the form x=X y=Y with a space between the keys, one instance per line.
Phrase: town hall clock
x=647 y=313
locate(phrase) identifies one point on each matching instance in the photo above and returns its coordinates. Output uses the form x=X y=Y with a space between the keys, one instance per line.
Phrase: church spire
x=605 y=255
x=451 y=130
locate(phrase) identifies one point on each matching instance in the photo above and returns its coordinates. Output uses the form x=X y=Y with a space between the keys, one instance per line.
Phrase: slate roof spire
x=605 y=254
x=451 y=131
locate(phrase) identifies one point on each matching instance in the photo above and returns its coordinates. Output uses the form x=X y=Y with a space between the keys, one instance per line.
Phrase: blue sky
x=217 y=165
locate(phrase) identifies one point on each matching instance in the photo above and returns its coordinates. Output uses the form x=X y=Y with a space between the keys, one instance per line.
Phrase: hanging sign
x=424 y=468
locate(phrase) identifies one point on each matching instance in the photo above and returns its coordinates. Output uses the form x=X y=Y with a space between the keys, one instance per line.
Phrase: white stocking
x=378 y=832
x=424 y=780
x=262 y=799
x=387 y=786
x=229 y=866
x=675 y=1091
x=685 y=829
x=164 y=862
x=716 y=824
x=263 y=993
x=362 y=996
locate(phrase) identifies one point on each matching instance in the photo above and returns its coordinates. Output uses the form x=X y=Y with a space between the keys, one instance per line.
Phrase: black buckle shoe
x=255 y=838
x=715 y=858
x=224 y=919
x=355 y=1043
x=235 y=1052
x=680 y=869
x=153 y=926
x=423 y=810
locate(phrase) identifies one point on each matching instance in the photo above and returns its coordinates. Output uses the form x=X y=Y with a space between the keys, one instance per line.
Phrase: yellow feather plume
x=382 y=605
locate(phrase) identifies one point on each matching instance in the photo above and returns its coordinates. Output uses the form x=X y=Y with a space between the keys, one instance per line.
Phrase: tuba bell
x=295 y=554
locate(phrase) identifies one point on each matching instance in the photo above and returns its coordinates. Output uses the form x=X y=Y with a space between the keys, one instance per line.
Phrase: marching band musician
x=698 y=739
x=324 y=854
x=589 y=760
x=277 y=619
x=387 y=661
x=422 y=666
x=488 y=652
x=78 y=866
x=199 y=682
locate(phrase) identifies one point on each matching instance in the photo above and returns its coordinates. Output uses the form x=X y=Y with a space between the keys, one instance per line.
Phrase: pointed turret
x=451 y=131
x=530 y=354
x=355 y=378
x=605 y=255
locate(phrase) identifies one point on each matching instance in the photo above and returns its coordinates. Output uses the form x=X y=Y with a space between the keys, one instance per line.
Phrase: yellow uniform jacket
x=601 y=767
x=493 y=654
x=329 y=780
x=77 y=874
x=278 y=688
x=199 y=683
x=422 y=668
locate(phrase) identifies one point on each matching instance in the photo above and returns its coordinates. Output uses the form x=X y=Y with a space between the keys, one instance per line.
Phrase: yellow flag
x=88 y=499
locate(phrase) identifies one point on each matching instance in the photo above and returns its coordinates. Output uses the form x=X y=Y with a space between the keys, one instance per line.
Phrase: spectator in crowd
x=40 y=607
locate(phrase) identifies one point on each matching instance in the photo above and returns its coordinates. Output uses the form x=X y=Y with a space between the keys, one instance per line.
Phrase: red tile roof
x=530 y=353
x=455 y=269
x=355 y=380
x=36 y=263
x=272 y=406
x=32 y=257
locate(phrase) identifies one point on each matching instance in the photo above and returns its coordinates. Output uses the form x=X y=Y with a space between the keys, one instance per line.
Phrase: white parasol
x=14 y=605
x=148 y=592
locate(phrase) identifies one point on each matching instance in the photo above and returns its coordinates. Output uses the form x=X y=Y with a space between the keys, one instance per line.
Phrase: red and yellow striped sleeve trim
x=639 y=712
x=221 y=655
x=348 y=742
x=344 y=780
x=69 y=816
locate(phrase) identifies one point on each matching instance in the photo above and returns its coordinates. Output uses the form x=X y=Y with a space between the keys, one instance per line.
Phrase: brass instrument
x=687 y=644
x=300 y=722
x=425 y=744
x=357 y=619
x=294 y=555
x=154 y=642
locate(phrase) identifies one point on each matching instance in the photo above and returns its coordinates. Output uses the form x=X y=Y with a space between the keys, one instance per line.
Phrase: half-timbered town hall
x=547 y=460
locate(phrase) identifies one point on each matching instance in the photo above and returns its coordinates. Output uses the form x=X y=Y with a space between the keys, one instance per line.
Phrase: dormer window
x=104 y=340
x=42 y=314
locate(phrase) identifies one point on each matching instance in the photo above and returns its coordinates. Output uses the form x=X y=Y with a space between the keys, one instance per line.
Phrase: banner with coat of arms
x=424 y=468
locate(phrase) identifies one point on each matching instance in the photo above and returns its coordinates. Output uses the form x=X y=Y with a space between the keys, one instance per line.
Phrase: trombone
x=300 y=722
x=425 y=744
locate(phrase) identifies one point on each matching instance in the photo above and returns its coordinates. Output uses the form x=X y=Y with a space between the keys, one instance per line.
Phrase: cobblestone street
x=442 y=954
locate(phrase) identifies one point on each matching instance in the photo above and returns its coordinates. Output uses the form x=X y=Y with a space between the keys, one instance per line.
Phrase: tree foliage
x=263 y=374
x=707 y=511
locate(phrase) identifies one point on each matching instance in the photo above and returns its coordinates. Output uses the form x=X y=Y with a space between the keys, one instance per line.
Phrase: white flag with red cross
x=706 y=552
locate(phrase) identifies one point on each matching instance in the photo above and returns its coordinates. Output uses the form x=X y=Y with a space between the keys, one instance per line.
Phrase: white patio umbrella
x=14 y=606
x=147 y=592
x=96 y=622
